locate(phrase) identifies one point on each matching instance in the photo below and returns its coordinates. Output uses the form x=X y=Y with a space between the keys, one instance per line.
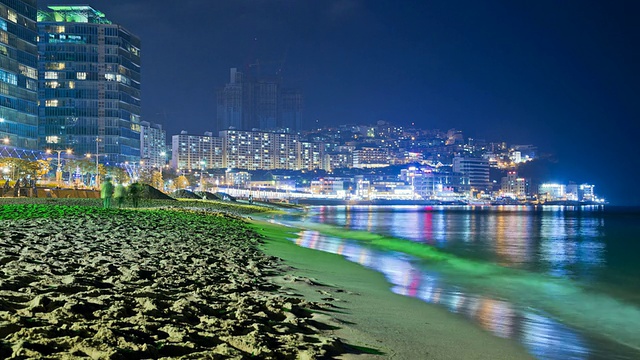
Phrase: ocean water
x=562 y=281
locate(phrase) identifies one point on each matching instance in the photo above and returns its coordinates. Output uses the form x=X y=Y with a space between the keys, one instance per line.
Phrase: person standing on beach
x=119 y=194
x=106 y=192
x=135 y=191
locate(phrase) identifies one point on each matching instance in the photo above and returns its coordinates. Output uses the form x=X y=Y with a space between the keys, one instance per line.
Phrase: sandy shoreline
x=146 y=284
x=85 y=283
x=369 y=316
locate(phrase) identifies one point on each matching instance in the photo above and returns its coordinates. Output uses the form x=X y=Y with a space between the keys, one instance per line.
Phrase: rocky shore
x=83 y=282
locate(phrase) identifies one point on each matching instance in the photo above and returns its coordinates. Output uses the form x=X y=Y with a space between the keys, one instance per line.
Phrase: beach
x=84 y=282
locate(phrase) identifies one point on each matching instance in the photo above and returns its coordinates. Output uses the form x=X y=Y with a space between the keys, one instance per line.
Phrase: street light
x=97 y=174
x=58 y=169
x=203 y=163
x=97 y=168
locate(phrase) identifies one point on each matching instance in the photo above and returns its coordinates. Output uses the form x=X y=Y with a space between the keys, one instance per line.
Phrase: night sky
x=562 y=75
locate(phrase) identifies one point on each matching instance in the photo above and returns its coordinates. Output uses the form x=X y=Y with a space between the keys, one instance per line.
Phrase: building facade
x=89 y=77
x=18 y=74
x=371 y=157
x=514 y=186
x=261 y=150
x=251 y=150
x=473 y=173
x=153 y=145
x=197 y=152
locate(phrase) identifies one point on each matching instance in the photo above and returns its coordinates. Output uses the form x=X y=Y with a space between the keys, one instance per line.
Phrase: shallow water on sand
x=561 y=281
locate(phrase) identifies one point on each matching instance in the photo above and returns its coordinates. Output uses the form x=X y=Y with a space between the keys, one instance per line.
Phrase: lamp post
x=97 y=175
x=97 y=168
x=58 y=169
x=202 y=165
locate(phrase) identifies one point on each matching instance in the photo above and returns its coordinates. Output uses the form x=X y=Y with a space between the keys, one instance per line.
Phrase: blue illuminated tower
x=18 y=75
x=89 y=77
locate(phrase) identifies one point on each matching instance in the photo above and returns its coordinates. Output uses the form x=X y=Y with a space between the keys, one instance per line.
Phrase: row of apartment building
x=254 y=150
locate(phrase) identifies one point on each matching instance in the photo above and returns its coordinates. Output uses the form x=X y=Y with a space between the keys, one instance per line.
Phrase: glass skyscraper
x=89 y=77
x=18 y=75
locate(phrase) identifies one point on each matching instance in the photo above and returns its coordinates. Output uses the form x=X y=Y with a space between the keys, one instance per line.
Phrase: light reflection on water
x=541 y=335
x=513 y=236
x=573 y=247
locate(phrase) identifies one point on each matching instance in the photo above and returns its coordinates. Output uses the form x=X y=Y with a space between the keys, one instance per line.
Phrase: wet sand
x=369 y=317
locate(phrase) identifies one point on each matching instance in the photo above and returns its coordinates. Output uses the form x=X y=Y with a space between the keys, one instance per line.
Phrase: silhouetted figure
x=6 y=187
x=16 y=188
x=135 y=191
x=119 y=194
x=106 y=192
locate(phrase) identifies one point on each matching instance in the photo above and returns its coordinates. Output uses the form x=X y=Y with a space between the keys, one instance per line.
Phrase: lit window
x=50 y=75
x=51 y=103
x=81 y=76
x=72 y=84
x=55 y=66
x=52 y=139
x=12 y=16
x=8 y=77
x=29 y=72
x=52 y=84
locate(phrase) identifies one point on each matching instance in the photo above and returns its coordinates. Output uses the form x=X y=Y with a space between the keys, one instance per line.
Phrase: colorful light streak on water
x=541 y=297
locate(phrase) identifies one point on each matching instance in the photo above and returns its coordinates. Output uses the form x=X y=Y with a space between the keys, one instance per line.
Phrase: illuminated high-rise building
x=18 y=75
x=153 y=145
x=473 y=173
x=89 y=77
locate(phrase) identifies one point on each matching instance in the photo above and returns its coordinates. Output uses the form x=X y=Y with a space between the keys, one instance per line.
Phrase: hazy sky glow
x=559 y=74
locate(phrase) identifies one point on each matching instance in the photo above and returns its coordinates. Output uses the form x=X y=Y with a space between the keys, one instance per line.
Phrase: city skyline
x=546 y=73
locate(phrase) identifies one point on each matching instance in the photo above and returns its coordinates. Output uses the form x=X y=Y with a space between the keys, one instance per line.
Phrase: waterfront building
x=89 y=78
x=473 y=173
x=391 y=190
x=552 y=192
x=18 y=76
x=370 y=157
x=425 y=182
x=153 y=145
x=583 y=192
x=514 y=186
x=586 y=192
x=197 y=152
x=328 y=186
x=252 y=101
